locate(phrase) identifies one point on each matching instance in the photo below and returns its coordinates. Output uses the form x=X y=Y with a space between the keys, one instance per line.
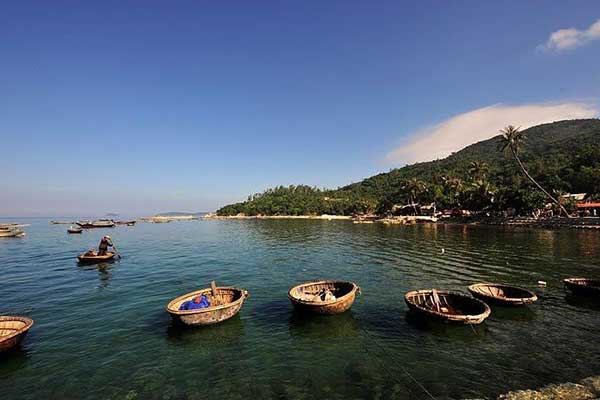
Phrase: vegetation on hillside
x=561 y=157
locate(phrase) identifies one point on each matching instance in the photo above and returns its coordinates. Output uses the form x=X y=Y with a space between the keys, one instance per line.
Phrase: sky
x=137 y=107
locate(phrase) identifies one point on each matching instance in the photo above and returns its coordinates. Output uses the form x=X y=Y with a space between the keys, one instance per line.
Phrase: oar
x=116 y=251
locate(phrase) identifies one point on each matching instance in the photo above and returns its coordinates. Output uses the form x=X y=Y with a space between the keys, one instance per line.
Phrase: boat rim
x=355 y=288
x=171 y=310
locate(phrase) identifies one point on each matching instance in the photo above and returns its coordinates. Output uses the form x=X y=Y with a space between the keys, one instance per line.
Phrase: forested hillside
x=562 y=156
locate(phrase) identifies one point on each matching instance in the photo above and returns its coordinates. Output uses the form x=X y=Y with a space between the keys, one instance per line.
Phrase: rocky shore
x=586 y=389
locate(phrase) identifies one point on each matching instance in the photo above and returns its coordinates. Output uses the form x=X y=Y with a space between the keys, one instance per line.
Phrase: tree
x=478 y=170
x=513 y=139
x=415 y=187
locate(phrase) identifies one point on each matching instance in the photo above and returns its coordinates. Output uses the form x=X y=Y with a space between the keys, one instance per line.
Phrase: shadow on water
x=104 y=271
x=587 y=302
x=307 y=325
x=445 y=329
x=524 y=313
x=14 y=359
x=226 y=331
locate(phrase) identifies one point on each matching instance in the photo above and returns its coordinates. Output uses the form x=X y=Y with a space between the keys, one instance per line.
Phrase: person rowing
x=105 y=243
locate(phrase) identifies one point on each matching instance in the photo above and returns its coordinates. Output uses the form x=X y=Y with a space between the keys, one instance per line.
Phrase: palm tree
x=415 y=187
x=513 y=139
x=478 y=170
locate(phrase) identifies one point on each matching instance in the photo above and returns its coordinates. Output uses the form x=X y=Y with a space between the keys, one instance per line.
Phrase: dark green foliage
x=562 y=156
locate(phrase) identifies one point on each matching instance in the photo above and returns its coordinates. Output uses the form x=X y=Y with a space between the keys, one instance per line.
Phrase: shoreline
x=588 y=388
x=322 y=217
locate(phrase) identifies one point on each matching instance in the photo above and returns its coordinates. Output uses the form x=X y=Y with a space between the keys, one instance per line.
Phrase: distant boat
x=11 y=230
x=128 y=223
x=74 y=230
x=101 y=223
x=60 y=222
x=583 y=286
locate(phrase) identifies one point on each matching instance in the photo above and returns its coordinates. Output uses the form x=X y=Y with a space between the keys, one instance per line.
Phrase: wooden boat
x=583 y=286
x=12 y=331
x=94 y=259
x=502 y=294
x=225 y=302
x=310 y=297
x=96 y=224
x=447 y=306
x=74 y=230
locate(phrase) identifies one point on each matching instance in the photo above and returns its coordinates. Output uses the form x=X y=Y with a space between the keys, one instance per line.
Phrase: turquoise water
x=103 y=332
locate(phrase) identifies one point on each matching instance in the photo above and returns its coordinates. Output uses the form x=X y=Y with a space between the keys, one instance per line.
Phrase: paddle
x=116 y=251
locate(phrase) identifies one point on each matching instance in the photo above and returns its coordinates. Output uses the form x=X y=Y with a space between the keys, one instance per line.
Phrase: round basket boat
x=74 y=230
x=583 y=286
x=305 y=297
x=502 y=294
x=225 y=302
x=12 y=331
x=85 y=259
x=447 y=306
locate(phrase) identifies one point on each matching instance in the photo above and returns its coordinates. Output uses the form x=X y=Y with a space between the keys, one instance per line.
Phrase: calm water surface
x=103 y=332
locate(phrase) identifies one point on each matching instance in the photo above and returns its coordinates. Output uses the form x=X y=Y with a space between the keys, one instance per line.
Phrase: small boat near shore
x=12 y=331
x=74 y=230
x=324 y=297
x=101 y=223
x=502 y=294
x=94 y=258
x=225 y=302
x=583 y=286
x=447 y=306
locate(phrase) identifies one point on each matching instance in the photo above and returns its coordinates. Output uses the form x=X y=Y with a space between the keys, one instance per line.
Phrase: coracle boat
x=12 y=331
x=225 y=302
x=447 y=306
x=502 y=294
x=583 y=286
x=94 y=258
x=324 y=297
x=96 y=224
x=74 y=230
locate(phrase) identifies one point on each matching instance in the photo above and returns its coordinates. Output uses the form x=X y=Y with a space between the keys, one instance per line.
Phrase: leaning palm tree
x=513 y=139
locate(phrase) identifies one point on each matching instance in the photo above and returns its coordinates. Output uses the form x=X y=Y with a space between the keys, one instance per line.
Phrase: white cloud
x=566 y=39
x=464 y=129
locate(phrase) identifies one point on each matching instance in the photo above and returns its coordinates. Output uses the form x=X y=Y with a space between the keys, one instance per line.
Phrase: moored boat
x=96 y=224
x=502 y=294
x=583 y=286
x=128 y=223
x=11 y=230
x=94 y=258
x=12 y=331
x=447 y=306
x=324 y=297
x=74 y=230
x=225 y=302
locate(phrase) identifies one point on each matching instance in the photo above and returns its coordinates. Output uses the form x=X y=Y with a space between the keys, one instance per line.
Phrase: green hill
x=562 y=156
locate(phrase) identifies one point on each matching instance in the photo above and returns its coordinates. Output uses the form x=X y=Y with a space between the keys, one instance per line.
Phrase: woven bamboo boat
x=74 y=230
x=305 y=297
x=583 y=286
x=225 y=302
x=502 y=294
x=450 y=306
x=86 y=259
x=12 y=331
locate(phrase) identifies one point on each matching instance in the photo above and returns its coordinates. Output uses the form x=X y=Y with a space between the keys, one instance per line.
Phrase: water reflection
x=323 y=326
x=226 y=331
x=586 y=302
x=104 y=271
x=449 y=331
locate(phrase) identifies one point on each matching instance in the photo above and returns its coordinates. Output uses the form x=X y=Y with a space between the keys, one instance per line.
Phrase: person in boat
x=105 y=243
x=196 y=303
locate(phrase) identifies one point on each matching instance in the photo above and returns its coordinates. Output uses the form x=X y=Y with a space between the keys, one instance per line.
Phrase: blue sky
x=144 y=106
